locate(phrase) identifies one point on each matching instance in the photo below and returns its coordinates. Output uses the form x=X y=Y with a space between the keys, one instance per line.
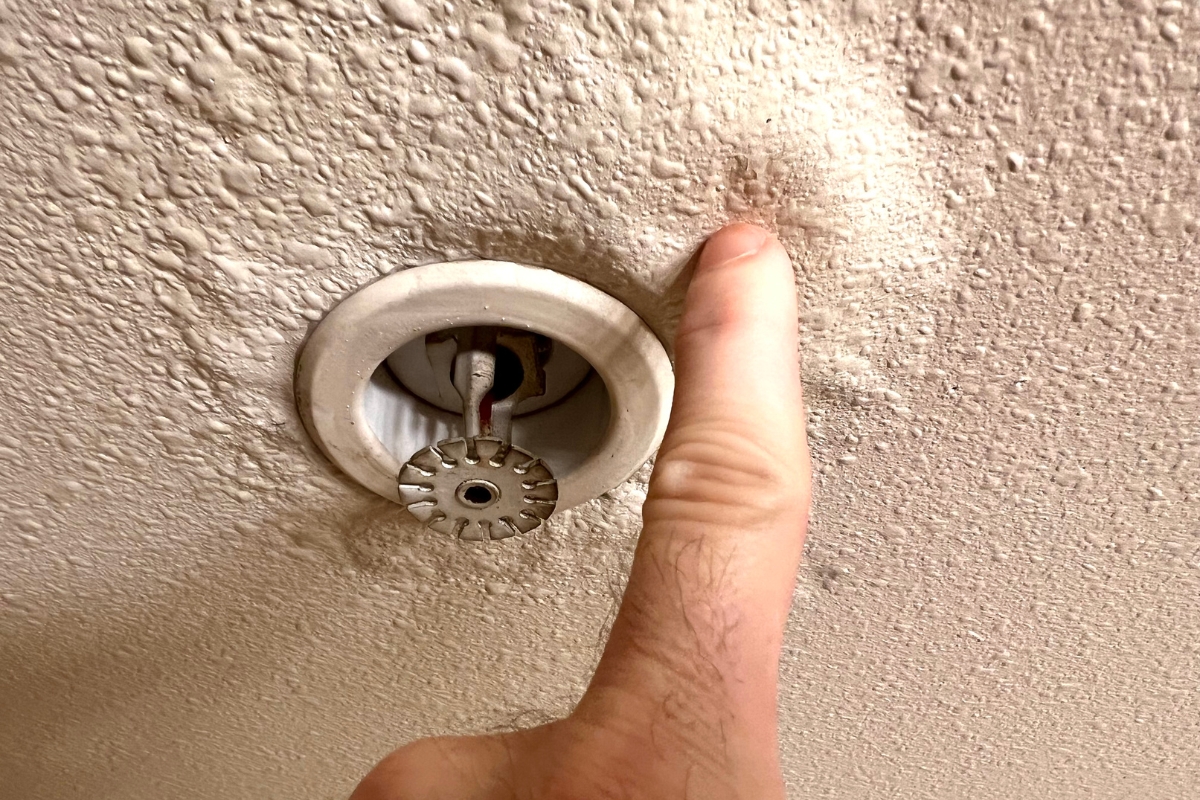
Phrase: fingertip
x=743 y=280
x=736 y=341
x=732 y=243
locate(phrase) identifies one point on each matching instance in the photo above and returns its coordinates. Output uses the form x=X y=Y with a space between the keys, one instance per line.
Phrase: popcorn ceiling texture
x=992 y=207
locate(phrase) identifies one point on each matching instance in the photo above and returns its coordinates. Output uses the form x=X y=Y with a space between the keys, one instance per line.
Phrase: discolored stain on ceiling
x=992 y=210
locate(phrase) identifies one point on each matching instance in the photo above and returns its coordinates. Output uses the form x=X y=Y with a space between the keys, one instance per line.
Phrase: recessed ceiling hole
x=509 y=374
x=426 y=365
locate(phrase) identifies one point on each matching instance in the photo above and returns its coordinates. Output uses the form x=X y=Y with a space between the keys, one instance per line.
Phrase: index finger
x=701 y=621
x=735 y=348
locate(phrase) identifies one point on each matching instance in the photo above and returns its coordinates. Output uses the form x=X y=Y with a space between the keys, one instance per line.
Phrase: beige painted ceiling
x=992 y=207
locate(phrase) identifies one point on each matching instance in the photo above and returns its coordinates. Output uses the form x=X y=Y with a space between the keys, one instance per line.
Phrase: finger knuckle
x=722 y=470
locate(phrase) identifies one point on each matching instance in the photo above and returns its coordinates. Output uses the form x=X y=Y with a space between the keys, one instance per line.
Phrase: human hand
x=683 y=702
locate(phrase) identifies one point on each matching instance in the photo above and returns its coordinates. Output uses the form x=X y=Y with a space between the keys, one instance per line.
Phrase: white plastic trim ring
x=341 y=355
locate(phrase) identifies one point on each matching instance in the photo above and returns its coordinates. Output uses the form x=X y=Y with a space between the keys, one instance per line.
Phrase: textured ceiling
x=992 y=207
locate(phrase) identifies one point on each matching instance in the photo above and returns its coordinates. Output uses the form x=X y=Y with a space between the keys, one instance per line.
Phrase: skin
x=683 y=702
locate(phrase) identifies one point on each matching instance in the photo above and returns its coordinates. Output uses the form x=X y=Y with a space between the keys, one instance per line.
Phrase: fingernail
x=736 y=241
